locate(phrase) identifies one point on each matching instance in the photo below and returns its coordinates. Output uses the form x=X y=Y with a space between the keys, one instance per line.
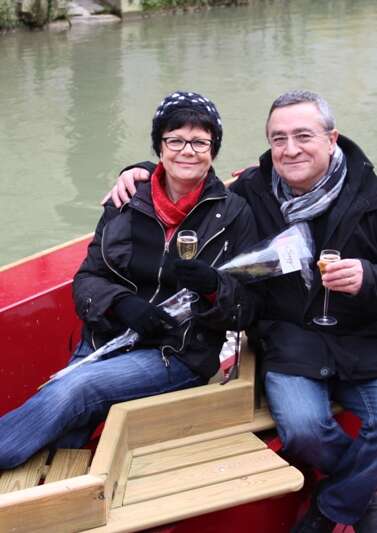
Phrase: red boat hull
x=38 y=325
x=38 y=329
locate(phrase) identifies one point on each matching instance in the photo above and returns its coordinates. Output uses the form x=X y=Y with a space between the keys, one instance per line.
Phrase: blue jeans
x=302 y=411
x=65 y=412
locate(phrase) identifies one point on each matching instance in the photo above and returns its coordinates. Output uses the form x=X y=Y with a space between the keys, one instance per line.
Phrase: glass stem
x=326 y=302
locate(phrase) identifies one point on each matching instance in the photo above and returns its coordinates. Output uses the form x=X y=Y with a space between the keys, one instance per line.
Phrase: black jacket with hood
x=129 y=255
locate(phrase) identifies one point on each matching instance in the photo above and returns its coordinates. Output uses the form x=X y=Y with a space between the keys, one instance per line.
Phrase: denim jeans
x=65 y=412
x=302 y=411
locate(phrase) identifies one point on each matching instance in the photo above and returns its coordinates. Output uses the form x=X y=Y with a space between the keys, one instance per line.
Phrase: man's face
x=300 y=145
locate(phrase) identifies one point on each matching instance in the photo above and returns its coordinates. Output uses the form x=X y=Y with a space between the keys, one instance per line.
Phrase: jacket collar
x=142 y=200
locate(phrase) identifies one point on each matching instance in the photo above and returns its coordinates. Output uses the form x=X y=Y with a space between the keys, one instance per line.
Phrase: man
x=317 y=178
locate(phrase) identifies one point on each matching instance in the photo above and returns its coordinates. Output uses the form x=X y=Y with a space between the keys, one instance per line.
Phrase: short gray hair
x=303 y=97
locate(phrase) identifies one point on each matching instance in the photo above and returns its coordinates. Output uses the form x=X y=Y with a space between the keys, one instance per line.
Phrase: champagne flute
x=187 y=243
x=327 y=256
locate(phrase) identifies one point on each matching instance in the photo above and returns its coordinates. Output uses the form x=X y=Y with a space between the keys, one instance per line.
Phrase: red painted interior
x=41 y=274
x=38 y=324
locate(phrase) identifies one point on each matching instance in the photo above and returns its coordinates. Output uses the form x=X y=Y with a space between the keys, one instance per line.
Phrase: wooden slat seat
x=24 y=476
x=212 y=462
x=187 y=453
x=193 y=454
x=213 y=497
x=65 y=464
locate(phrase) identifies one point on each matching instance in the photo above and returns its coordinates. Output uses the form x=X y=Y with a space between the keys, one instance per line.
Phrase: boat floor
x=64 y=464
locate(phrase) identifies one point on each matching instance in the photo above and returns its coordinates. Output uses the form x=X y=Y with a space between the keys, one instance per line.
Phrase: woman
x=131 y=266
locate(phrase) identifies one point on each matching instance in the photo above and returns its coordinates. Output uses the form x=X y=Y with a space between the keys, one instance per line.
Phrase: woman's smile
x=186 y=165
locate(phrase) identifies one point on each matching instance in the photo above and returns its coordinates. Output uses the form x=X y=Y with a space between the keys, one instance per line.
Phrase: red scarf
x=171 y=213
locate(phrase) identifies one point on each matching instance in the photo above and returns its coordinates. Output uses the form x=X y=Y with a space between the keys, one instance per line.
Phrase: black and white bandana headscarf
x=189 y=100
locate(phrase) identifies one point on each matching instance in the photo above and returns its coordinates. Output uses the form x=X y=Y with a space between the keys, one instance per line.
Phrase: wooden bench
x=159 y=459
x=186 y=453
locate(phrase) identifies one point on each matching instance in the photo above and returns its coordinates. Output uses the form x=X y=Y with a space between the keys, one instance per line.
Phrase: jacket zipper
x=210 y=240
x=166 y=247
x=166 y=250
x=202 y=202
x=223 y=249
x=164 y=357
x=93 y=342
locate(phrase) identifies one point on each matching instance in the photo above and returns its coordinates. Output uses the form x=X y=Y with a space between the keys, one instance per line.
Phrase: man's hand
x=124 y=188
x=237 y=172
x=345 y=275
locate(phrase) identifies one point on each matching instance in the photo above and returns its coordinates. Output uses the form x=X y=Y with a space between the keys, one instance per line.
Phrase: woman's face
x=186 y=164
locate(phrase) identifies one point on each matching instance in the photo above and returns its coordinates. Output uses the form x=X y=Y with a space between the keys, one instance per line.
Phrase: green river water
x=76 y=106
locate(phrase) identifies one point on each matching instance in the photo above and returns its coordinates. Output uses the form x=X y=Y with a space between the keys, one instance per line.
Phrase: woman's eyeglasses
x=198 y=145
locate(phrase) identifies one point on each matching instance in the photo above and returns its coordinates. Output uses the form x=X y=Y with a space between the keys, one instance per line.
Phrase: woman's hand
x=124 y=188
x=143 y=317
x=196 y=275
x=345 y=275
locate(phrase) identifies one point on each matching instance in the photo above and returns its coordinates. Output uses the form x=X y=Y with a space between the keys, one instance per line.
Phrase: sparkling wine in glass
x=187 y=244
x=327 y=256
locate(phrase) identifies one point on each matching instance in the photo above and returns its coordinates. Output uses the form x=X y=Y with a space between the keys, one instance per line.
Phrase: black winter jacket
x=129 y=254
x=292 y=343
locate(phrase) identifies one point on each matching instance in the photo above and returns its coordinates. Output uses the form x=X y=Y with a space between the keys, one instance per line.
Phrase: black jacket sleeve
x=368 y=291
x=95 y=287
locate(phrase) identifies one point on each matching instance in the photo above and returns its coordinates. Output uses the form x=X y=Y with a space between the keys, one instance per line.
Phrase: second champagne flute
x=327 y=256
x=187 y=244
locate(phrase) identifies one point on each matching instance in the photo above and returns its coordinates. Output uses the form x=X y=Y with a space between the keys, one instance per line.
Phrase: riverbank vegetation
x=32 y=13
x=149 y=5
x=8 y=16
x=39 y=13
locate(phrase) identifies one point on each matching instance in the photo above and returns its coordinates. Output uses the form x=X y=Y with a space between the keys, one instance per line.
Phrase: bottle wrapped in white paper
x=289 y=251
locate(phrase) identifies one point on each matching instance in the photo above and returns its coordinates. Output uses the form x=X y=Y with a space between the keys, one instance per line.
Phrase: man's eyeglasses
x=198 y=145
x=300 y=139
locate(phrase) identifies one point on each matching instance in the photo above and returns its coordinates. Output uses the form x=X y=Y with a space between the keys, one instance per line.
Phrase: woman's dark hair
x=181 y=109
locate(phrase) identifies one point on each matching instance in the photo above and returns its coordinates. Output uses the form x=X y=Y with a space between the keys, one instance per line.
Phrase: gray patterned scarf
x=300 y=209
